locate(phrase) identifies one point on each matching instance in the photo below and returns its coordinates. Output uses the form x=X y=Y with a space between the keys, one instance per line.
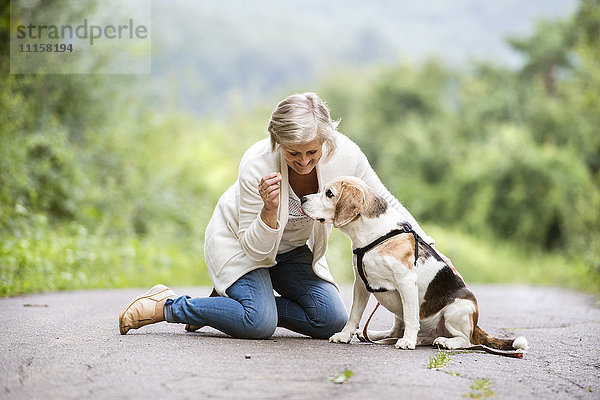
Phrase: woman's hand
x=268 y=188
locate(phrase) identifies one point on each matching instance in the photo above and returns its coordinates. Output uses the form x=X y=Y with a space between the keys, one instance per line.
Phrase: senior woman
x=258 y=241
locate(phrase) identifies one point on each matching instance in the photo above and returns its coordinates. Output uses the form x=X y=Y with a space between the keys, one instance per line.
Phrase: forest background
x=110 y=180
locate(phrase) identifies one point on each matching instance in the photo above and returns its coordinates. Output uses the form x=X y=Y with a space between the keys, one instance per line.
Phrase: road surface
x=67 y=345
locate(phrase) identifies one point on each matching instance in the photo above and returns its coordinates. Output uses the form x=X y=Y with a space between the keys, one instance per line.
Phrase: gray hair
x=300 y=119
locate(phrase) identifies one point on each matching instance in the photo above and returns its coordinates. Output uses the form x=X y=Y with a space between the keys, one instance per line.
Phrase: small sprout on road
x=342 y=377
x=481 y=389
x=452 y=373
x=439 y=360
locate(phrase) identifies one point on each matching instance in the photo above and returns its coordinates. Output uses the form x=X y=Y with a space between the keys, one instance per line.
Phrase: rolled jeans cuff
x=169 y=309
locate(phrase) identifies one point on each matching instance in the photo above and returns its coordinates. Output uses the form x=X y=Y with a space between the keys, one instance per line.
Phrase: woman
x=258 y=241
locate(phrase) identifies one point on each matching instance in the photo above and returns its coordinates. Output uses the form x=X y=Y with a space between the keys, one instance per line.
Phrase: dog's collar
x=360 y=252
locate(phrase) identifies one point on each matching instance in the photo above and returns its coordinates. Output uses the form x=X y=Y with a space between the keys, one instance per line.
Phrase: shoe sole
x=192 y=328
x=123 y=329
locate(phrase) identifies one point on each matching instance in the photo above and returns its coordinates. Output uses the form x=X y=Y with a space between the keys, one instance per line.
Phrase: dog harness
x=360 y=252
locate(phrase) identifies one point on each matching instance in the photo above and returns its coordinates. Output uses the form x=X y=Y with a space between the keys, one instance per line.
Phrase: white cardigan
x=237 y=240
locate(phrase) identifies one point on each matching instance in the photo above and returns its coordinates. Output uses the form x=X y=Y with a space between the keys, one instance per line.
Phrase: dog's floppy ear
x=349 y=205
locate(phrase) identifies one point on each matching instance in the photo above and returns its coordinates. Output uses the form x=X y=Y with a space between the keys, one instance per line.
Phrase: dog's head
x=342 y=201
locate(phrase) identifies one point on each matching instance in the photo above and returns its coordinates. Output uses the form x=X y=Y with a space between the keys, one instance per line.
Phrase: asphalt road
x=67 y=345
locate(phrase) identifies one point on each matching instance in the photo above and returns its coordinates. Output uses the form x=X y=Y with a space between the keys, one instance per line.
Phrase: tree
x=547 y=51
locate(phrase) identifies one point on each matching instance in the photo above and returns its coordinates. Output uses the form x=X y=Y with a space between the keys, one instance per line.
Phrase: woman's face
x=302 y=158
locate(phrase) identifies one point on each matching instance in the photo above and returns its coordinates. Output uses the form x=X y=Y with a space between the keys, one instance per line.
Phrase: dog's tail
x=479 y=336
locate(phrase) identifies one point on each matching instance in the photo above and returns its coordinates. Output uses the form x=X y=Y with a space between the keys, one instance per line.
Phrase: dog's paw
x=341 y=337
x=405 y=344
x=450 y=343
x=441 y=341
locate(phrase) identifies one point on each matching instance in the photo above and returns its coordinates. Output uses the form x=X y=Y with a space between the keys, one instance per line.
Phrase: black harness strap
x=360 y=252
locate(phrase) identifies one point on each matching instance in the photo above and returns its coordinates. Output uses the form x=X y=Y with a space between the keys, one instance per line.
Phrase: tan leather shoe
x=145 y=309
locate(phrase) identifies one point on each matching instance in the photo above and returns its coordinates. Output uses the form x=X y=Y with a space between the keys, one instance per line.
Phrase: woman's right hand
x=268 y=188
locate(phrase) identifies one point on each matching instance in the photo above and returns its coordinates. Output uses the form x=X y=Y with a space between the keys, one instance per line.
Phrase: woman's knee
x=338 y=320
x=330 y=320
x=254 y=293
x=258 y=324
x=257 y=331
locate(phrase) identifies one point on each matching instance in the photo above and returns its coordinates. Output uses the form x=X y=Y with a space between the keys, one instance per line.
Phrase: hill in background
x=208 y=54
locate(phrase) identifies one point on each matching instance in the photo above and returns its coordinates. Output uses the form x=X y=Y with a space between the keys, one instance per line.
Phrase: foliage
x=484 y=258
x=546 y=51
x=99 y=189
x=510 y=154
x=45 y=257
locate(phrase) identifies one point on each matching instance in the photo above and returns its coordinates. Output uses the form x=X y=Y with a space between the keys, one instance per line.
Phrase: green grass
x=480 y=389
x=488 y=260
x=43 y=257
x=65 y=258
x=439 y=360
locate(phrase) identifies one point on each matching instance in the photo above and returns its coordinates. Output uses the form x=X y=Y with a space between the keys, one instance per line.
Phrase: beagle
x=431 y=304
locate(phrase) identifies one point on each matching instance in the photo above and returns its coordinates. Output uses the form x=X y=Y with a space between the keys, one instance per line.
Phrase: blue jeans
x=307 y=304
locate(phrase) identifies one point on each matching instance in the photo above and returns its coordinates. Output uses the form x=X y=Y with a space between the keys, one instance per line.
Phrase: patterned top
x=298 y=228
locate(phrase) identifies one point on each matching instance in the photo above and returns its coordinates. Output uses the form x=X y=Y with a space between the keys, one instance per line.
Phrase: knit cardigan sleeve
x=256 y=238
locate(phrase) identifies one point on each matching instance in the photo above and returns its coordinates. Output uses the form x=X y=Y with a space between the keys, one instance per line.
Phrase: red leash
x=365 y=334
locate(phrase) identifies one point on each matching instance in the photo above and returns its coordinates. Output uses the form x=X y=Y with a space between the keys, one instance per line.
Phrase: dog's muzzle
x=303 y=200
